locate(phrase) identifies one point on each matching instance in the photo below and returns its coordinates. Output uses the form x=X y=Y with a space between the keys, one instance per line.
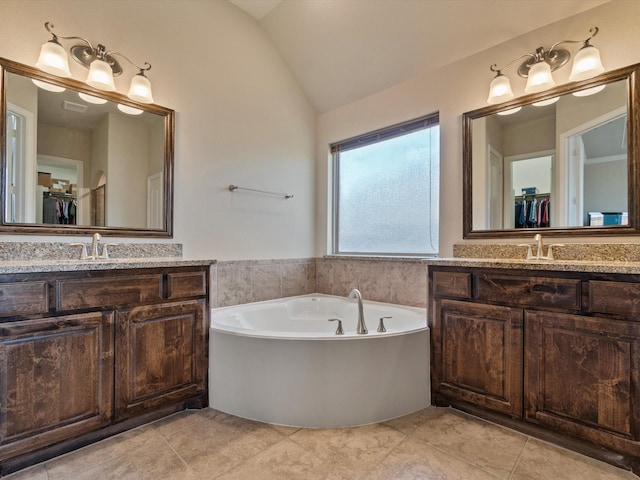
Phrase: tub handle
x=339 y=330
x=381 y=328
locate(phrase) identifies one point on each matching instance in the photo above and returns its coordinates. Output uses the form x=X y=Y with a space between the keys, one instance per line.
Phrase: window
x=386 y=190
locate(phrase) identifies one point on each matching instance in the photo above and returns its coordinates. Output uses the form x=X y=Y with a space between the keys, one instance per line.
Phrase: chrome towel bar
x=233 y=188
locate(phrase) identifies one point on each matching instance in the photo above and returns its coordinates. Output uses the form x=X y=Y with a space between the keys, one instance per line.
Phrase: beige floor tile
x=415 y=460
x=488 y=446
x=151 y=461
x=221 y=442
x=66 y=466
x=353 y=451
x=409 y=423
x=282 y=461
x=33 y=473
x=177 y=422
x=541 y=460
x=283 y=429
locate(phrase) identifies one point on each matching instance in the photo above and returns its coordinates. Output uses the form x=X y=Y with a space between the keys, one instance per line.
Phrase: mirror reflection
x=556 y=164
x=74 y=160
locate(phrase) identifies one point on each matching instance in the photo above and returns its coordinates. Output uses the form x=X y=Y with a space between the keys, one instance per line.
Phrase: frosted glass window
x=386 y=191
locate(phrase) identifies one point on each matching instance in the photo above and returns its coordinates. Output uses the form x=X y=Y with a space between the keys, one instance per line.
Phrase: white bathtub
x=281 y=362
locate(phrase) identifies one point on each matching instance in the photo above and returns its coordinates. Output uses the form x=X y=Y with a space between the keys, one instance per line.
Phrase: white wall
x=461 y=87
x=240 y=116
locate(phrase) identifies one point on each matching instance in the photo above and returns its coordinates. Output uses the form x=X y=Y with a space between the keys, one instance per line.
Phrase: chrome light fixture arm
x=50 y=26
x=141 y=70
x=101 y=64
x=539 y=66
x=494 y=67
x=585 y=43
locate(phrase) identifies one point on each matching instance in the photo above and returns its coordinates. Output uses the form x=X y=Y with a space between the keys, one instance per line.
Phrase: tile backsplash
x=401 y=281
x=244 y=281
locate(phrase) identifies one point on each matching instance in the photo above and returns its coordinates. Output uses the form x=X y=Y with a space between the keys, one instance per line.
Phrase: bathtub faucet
x=362 y=327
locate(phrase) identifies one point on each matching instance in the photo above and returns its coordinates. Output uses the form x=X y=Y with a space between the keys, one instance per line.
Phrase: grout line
x=452 y=455
x=515 y=466
x=184 y=462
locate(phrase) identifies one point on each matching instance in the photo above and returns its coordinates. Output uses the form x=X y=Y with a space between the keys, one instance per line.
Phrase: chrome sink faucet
x=95 y=245
x=362 y=327
x=540 y=249
x=95 y=249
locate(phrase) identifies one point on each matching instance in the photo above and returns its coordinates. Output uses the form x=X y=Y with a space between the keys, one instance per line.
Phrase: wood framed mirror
x=75 y=160
x=563 y=162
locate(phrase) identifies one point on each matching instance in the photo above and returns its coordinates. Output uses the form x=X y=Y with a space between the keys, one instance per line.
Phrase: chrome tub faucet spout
x=362 y=327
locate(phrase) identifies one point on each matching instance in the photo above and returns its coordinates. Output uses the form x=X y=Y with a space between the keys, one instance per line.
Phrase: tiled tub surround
x=244 y=281
x=391 y=280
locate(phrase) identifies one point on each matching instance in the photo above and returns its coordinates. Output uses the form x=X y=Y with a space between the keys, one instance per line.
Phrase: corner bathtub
x=280 y=362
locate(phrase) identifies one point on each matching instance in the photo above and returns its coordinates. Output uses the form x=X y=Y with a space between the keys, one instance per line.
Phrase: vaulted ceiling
x=343 y=50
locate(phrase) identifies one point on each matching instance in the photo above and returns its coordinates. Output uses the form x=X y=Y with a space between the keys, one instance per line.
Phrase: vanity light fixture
x=101 y=64
x=539 y=66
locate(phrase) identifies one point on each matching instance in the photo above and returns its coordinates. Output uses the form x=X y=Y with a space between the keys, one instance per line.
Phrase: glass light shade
x=499 y=90
x=548 y=101
x=589 y=91
x=140 y=89
x=511 y=111
x=48 y=86
x=586 y=64
x=91 y=99
x=129 y=110
x=53 y=59
x=101 y=76
x=540 y=78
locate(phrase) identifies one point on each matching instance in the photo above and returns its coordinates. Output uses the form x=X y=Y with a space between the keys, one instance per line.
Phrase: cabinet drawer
x=622 y=298
x=107 y=292
x=187 y=284
x=452 y=284
x=23 y=298
x=530 y=291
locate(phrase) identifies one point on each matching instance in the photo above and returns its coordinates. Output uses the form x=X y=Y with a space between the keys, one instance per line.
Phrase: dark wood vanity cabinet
x=556 y=354
x=158 y=351
x=480 y=348
x=84 y=355
x=57 y=379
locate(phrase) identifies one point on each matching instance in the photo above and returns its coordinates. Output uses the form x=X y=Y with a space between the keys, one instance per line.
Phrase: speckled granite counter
x=554 y=265
x=33 y=266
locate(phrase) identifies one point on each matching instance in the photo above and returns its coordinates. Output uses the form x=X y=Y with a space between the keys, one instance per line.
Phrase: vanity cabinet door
x=582 y=377
x=56 y=380
x=478 y=355
x=161 y=355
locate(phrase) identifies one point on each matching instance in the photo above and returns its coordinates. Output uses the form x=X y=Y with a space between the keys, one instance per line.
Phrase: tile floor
x=435 y=443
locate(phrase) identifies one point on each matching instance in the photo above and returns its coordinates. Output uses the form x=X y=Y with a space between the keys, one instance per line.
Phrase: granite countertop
x=34 y=266
x=594 y=266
